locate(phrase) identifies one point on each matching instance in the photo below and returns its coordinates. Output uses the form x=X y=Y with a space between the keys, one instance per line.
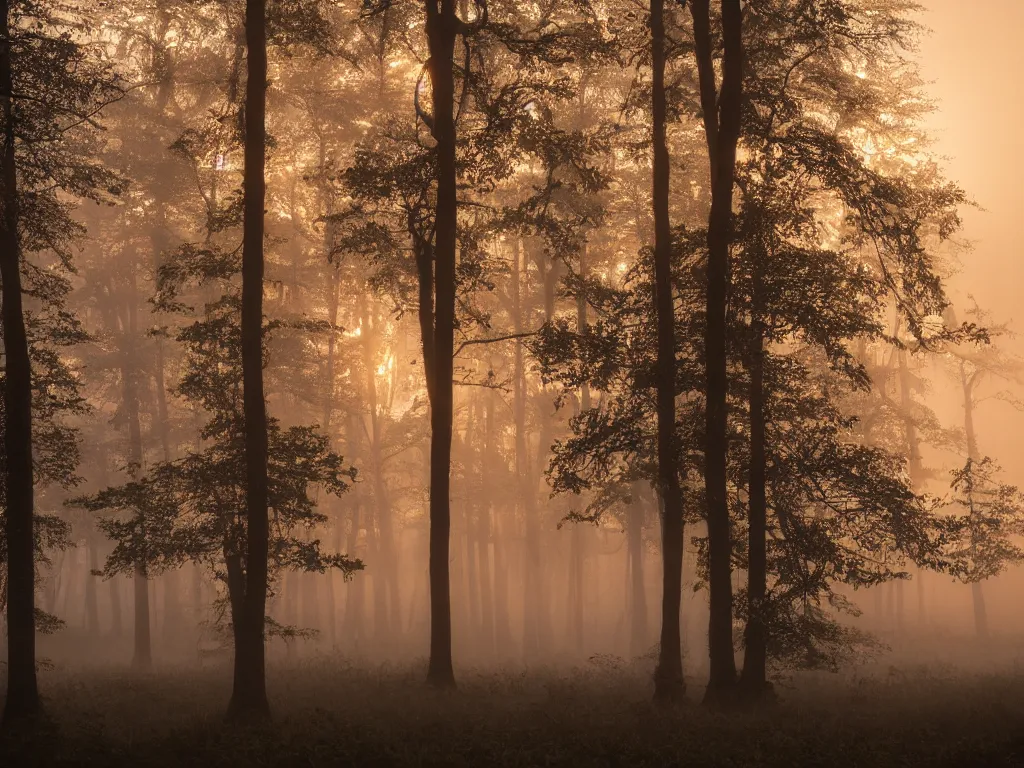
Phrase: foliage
x=992 y=518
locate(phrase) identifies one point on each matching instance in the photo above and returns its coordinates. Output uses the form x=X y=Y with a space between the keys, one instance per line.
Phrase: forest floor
x=330 y=714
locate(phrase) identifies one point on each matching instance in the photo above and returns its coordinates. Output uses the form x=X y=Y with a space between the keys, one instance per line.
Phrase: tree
x=406 y=195
x=722 y=108
x=442 y=28
x=994 y=510
x=51 y=88
x=249 y=694
x=22 y=693
x=669 y=684
x=820 y=236
x=993 y=517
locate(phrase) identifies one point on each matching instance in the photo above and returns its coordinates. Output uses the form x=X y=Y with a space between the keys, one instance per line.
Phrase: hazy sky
x=975 y=60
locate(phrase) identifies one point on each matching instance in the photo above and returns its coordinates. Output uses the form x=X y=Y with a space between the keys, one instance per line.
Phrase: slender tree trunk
x=483 y=534
x=503 y=642
x=92 y=613
x=755 y=659
x=441 y=33
x=249 y=693
x=575 y=592
x=668 y=677
x=980 y=611
x=380 y=599
x=638 y=591
x=472 y=572
x=22 y=690
x=142 y=657
x=531 y=581
x=977 y=590
x=331 y=589
x=116 y=626
x=722 y=112
x=541 y=599
x=577 y=556
x=332 y=317
x=914 y=454
x=356 y=590
x=173 y=614
x=495 y=534
x=385 y=581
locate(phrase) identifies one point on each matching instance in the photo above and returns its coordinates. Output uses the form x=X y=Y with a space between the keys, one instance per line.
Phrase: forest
x=509 y=382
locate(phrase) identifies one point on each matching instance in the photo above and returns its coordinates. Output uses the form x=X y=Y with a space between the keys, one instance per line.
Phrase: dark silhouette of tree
x=249 y=694
x=993 y=515
x=442 y=29
x=22 y=691
x=668 y=679
x=994 y=511
x=722 y=108
x=51 y=89
x=501 y=116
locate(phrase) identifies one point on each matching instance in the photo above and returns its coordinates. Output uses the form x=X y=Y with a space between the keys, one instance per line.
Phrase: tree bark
x=142 y=657
x=755 y=659
x=483 y=534
x=977 y=590
x=441 y=33
x=722 y=112
x=388 y=623
x=638 y=592
x=668 y=677
x=22 y=690
x=92 y=613
x=249 y=694
x=577 y=555
x=914 y=454
x=114 y=591
x=531 y=581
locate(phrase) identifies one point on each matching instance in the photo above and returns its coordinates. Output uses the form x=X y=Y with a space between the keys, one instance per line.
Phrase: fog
x=964 y=59
x=582 y=360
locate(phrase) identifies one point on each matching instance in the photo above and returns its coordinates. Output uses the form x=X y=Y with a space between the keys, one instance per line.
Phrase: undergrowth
x=328 y=713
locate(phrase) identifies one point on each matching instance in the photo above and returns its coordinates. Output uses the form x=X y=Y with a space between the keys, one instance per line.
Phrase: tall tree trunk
x=531 y=582
x=977 y=590
x=356 y=590
x=575 y=592
x=668 y=677
x=577 y=556
x=722 y=112
x=22 y=689
x=541 y=599
x=142 y=657
x=503 y=642
x=158 y=241
x=495 y=534
x=441 y=30
x=249 y=693
x=755 y=659
x=92 y=612
x=488 y=464
x=388 y=622
x=638 y=591
x=473 y=578
x=914 y=455
x=332 y=341
x=116 y=627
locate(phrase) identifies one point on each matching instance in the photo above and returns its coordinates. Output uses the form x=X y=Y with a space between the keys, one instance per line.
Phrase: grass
x=332 y=714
